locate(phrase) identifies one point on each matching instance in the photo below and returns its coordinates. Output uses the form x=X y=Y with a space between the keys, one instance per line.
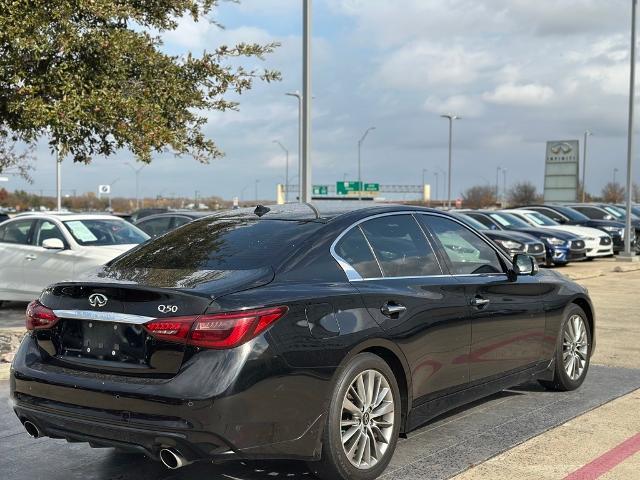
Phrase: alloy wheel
x=367 y=420
x=575 y=347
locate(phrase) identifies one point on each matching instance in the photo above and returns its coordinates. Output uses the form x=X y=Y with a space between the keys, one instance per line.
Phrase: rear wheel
x=362 y=427
x=573 y=352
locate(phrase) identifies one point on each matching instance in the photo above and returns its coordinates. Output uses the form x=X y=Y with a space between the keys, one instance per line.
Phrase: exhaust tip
x=172 y=459
x=32 y=430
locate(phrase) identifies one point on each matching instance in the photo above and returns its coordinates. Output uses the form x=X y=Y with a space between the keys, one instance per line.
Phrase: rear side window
x=16 y=232
x=401 y=247
x=353 y=249
x=221 y=244
x=467 y=252
x=154 y=227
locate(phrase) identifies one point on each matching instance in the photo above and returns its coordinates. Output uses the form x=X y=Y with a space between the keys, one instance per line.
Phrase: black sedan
x=561 y=247
x=603 y=211
x=161 y=223
x=568 y=216
x=511 y=242
x=296 y=334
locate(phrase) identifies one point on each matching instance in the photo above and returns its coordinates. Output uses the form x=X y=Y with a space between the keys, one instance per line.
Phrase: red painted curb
x=607 y=461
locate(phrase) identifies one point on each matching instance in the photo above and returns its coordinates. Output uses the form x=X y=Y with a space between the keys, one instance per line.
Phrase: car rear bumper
x=259 y=414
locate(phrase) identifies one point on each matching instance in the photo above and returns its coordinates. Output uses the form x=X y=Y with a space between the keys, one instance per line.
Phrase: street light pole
x=297 y=95
x=305 y=185
x=137 y=171
x=627 y=255
x=58 y=179
x=451 y=117
x=615 y=174
x=587 y=134
x=286 y=187
x=360 y=142
x=504 y=183
x=437 y=184
x=498 y=183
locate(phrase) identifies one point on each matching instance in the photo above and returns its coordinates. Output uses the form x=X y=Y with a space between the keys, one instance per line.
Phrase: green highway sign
x=321 y=189
x=351 y=188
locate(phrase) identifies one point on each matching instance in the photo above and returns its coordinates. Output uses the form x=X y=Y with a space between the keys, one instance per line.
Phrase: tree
x=479 y=196
x=90 y=76
x=613 y=192
x=11 y=161
x=524 y=193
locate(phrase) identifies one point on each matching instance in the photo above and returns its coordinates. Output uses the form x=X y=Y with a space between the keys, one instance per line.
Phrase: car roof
x=320 y=211
x=64 y=216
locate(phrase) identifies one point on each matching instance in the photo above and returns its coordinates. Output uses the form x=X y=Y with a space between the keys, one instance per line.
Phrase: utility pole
x=58 y=179
x=587 y=134
x=360 y=142
x=305 y=185
x=297 y=95
x=627 y=255
x=451 y=117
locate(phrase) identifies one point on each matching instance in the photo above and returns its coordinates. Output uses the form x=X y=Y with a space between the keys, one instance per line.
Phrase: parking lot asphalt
x=517 y=433
x=441 y=449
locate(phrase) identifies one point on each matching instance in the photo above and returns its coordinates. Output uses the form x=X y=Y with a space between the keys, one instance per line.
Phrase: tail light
x=219 y=331
x=39 y=317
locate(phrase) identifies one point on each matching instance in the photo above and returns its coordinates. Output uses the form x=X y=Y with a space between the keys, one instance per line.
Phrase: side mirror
x=525 y=265
x=53 y=244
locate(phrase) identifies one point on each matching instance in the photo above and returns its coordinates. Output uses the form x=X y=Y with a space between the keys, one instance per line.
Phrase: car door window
x=593 y=213
x=354 y=250
x=47 y=230
x=154 y=227
x=400 y=246
x=179 y=221
x=466 y=251
x=482 y=219
x=16 y=232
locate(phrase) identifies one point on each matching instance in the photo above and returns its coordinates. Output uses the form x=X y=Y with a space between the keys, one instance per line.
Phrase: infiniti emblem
x=97 y=300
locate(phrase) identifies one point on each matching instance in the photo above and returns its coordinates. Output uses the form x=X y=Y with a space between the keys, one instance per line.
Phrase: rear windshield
x=104 y=232
x=221 y=244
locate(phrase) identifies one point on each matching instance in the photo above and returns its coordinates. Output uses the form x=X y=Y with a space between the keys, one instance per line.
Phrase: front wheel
x=362 y=426
x=573 y=352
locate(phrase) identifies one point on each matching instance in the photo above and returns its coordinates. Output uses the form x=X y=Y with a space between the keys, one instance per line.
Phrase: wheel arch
x=585 y=304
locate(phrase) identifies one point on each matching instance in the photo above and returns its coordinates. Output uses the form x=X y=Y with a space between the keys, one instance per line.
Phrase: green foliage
x=90 y=75
x=15 y=162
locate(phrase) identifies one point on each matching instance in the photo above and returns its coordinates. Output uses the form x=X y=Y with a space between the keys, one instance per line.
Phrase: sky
x=518 y=72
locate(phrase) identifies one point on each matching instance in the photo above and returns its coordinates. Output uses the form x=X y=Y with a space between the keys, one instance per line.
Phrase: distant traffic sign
x=350 y=188
x=104 y=189
x=321 y=189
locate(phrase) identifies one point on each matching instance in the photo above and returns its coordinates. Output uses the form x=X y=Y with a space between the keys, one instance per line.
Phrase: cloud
x=527 y=95
x=423 y=64
x=471 y=106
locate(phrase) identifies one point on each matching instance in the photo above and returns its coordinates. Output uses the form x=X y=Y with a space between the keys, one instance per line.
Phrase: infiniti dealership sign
x=561 y=172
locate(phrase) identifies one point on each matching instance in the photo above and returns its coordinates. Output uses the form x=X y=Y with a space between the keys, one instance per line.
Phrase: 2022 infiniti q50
x=296 y=334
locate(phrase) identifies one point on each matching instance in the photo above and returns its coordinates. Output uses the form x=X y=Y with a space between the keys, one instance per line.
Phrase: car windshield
x=221 y=244
x=104 y=232
x=539 y=219
x=473 y=222
x=616 y=212
x=509 y=220
x=572 y=214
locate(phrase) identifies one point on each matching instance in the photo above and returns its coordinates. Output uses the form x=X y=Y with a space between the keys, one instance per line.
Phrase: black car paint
x=268 y=398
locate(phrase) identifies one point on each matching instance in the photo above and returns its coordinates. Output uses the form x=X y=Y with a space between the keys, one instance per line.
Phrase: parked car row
x=568 y=232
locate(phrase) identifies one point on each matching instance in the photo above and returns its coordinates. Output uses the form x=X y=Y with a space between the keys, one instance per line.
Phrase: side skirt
x=421 y=414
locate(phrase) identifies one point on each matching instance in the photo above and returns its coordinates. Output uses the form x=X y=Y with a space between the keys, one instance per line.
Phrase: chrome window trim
x=354 y=276
x=103 y=316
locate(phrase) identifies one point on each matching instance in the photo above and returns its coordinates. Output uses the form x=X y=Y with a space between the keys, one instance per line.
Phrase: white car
x=39 y=249
x=598 y=243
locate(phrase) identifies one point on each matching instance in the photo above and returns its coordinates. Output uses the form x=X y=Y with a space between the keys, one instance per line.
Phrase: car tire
x=573 y=345
x=367 y=434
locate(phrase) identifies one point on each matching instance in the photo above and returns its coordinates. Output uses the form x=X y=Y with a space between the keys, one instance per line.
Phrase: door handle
x=391 y=308
x=30 y=257
x=480 y=302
